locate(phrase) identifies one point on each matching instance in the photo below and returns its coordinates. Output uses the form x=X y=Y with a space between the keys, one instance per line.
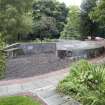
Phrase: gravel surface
x=34 y=65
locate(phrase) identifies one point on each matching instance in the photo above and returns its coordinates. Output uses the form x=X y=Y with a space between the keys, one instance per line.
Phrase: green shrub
x=85 y=83
x=2 y=64
x=2 y=58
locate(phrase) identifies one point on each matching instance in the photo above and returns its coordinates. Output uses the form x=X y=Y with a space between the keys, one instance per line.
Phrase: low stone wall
x=38 y=48
x=31 y=48
x=78 y=54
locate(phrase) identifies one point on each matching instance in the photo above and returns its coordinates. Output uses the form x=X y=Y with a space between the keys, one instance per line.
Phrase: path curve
x=11 y=87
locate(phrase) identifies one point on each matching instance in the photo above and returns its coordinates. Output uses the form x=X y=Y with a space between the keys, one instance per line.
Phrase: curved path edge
x=11 y=87
x=15 y=86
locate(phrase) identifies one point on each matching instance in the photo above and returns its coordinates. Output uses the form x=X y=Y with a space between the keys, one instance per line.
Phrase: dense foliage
x=2 y=58
x=85 y=83
x=15 y=18
x=30 y=19
x=88 y=26
x=18 y=100
x=97 y=15
x=72 y=28
x=45 y=28
x=98 y=12
x=49 y=17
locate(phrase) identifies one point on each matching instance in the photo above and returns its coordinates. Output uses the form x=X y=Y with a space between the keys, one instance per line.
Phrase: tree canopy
x=88 y=26
x=97 y=15
x=98 y=12
x=72 y=28
x=14 y=18
x=50 y=15
x=31 y=19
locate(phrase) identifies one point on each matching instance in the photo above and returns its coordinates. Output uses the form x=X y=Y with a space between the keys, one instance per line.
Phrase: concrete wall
x=88 y=53
x=38 y=48
x=31 y=48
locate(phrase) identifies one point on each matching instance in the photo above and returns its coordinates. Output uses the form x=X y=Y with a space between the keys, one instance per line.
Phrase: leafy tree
x=88 y=26
x=98 y=12
x=56 y=14
x=45 y=28
x=98 y=16
x=13 y=18
x=71 y=30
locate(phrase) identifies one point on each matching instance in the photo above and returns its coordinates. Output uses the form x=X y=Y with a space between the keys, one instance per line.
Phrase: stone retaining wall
x=88 y=53
x=38 y=48
x=30 y=49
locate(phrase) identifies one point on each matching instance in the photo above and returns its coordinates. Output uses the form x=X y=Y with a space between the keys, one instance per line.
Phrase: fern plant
x=85 y=83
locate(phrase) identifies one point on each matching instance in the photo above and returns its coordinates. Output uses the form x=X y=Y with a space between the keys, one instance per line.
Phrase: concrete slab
x=3 y=90
x=41 y=83
x=51 y=97
x=28 y=86
x=47 y=93
x=13 y=89
x=71 y=103
x=54 y=100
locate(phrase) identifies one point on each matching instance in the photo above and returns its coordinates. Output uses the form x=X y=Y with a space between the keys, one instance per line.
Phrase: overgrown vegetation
x=85 y=83
x=2 y=58
x=18 y=100
x=88 y=27
x=15 y=19
x=72 y=28
x=97 y=15
x=49 y=17
x=30 y=19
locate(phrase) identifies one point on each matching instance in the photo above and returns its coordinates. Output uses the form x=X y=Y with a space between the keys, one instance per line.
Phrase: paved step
x=50 y=97
x=12 y=87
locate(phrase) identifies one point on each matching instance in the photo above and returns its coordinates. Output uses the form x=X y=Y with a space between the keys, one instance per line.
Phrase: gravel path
x=37 y=65
x=33 y=65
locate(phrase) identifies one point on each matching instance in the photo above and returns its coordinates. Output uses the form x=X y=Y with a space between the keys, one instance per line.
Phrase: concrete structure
x=79 y=49
x=25 y=49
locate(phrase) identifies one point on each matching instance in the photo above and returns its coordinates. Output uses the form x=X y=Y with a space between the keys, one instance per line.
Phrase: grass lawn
x=18 y=100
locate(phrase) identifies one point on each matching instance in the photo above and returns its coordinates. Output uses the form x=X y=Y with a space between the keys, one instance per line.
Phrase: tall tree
x=45 y=28
x=98 y=15
x=49 y=9
x=72 y=28
x=98 y=12
x=13 y=18
x=88 y=26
